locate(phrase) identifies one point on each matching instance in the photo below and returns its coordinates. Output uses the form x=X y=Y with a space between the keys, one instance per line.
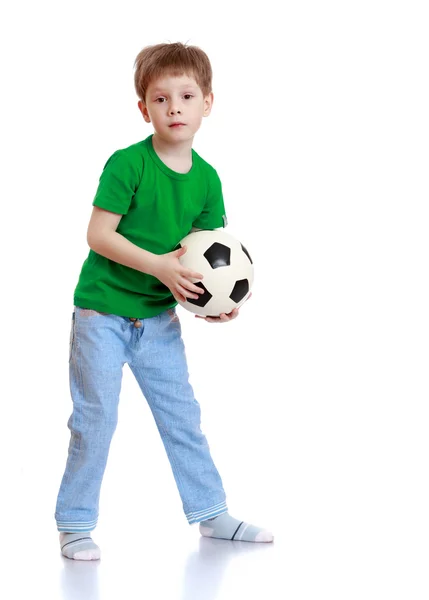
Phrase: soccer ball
x=227 y=269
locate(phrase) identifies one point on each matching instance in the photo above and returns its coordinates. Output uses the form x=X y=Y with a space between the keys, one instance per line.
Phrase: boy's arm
x=103 y=238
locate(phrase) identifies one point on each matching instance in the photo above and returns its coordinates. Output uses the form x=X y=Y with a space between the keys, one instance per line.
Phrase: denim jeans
x=100 y=345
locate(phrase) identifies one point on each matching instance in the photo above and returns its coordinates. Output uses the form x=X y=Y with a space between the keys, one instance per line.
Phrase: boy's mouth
x=177 y=125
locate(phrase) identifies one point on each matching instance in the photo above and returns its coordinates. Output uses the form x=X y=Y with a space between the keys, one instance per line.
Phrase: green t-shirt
x=160 y=206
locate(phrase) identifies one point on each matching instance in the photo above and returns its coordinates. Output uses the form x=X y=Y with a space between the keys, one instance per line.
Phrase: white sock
x=227 y=528
x=79 y=546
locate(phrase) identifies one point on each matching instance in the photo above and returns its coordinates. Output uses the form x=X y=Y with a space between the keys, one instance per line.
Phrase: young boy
x=150 y=195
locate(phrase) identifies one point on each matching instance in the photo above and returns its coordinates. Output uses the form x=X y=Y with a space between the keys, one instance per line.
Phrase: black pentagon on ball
x=246 y=253
x=218 y=255
x=202 y=298
x=241 y=288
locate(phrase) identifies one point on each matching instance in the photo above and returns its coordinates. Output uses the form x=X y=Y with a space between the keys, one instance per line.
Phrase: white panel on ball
x=227 y=269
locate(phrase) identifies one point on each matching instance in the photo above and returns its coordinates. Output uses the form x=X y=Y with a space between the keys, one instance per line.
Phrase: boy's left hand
x=223 y=317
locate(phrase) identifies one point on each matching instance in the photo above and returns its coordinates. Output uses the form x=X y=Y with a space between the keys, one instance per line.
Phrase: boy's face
x=172 y=100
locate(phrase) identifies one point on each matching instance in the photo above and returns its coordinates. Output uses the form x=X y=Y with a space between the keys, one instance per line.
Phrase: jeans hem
x=208 y=513
x=75 y=527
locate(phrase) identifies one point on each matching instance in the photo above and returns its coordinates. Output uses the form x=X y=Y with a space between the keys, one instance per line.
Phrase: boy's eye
x=161 y=99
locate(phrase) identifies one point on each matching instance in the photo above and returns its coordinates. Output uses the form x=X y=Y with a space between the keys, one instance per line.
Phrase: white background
x=315 y=400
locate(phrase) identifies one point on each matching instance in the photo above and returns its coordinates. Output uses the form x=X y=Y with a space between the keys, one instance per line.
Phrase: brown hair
x=171 y=59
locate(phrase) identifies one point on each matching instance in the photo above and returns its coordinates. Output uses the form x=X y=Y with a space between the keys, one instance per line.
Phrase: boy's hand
x=223 y=317
x=175 y=276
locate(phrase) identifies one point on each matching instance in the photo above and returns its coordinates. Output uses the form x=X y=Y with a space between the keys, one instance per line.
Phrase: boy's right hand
x=175 y=276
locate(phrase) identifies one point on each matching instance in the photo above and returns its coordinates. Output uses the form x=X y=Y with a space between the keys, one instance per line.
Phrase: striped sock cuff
x=76 y=527
x=208 y=513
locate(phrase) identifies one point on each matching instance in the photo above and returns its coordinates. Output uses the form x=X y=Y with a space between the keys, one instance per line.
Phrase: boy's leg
x=97 y=355
x=159 y=365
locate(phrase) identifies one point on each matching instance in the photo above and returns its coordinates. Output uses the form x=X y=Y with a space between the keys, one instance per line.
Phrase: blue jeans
x=100 y=345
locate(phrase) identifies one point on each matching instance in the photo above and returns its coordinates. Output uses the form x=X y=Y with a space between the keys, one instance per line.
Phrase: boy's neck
x=178 y=152
x=177 y=157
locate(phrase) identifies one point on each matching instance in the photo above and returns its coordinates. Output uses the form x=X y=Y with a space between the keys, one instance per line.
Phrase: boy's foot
x=79 y=546
x=227 y=528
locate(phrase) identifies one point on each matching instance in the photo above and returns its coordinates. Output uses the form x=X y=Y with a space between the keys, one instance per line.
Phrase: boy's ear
x=143 y=109
x=208 y=103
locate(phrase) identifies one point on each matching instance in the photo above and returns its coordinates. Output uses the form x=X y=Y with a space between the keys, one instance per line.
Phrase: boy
x=150 y=195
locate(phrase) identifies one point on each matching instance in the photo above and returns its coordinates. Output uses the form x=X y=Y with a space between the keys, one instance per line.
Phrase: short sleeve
x=118 y=182
x=213 y=215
